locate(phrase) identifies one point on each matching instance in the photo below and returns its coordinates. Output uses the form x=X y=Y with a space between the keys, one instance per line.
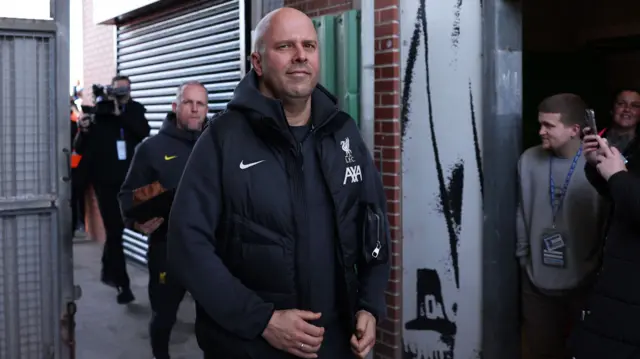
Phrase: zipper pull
x=376 y=251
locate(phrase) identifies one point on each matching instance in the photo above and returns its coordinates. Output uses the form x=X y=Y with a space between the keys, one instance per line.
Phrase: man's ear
x=577 y=129
x=174 y=107
x=256 y=62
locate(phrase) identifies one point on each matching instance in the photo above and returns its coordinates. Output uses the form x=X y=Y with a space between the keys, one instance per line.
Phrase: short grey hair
x=180 y=91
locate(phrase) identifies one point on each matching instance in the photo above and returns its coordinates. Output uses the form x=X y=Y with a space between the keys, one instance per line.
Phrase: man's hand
x=365 y=336
x=149 y=226
x=590 y=146
x=84 y=122
x=609 y=159
x=116 y=107
x=289 y=331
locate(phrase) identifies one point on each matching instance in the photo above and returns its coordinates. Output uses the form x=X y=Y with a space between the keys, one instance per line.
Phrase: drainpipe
x=367 y=72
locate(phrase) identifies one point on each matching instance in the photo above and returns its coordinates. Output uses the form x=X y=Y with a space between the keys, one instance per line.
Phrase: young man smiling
x=558 y=228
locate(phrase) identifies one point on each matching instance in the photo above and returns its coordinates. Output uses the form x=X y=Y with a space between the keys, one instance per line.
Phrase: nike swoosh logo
x=244 y=167
x=169 y=158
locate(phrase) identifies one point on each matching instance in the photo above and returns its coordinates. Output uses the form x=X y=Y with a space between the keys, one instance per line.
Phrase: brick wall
x=99 y=66
x=387 y=144
x=320 y=7
x=99 y=61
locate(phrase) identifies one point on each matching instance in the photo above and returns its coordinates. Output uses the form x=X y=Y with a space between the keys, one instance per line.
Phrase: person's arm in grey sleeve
x=522 y=235
x=374 y=277
x=192 y=257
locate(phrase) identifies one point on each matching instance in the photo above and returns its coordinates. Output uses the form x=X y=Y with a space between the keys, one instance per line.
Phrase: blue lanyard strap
x=552 y=185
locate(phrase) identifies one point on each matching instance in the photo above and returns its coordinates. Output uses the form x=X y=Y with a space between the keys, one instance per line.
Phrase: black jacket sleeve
x=192 y=257
x=374 y=278
x=136 y=123
x=624 y=188
x=140 y=174
x=599 y=183
x=81 y=142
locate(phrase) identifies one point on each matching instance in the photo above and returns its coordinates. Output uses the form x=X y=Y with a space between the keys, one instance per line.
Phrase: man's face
x=626 y=110
x=553 y=132
x=192 y=109
x=289 y=64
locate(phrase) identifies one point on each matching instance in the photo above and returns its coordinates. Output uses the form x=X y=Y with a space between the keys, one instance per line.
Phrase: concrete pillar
x=502 y=145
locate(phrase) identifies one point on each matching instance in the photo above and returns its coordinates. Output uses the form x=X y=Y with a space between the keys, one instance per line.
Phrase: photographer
x=107 y=140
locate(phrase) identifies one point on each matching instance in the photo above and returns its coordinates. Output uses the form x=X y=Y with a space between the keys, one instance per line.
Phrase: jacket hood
x=248 y=98
x=170 y=128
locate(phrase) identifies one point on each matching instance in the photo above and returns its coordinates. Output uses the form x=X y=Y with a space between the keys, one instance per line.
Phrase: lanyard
x=552 y=186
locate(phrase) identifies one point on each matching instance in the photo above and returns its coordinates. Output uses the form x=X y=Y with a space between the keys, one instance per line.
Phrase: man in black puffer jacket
x=609 y=322
x=279 y=226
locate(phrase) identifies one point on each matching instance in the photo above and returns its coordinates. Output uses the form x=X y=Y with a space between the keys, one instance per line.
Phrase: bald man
x=279 y=228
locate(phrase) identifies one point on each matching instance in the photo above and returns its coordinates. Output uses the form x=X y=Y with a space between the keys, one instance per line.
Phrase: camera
x=101 y=92
x=104 y=96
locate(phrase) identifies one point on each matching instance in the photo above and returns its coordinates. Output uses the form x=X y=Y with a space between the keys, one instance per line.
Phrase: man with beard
x=281 y=234
x=158 y=165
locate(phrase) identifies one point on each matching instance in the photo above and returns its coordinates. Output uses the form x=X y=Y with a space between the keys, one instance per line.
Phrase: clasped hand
x=290 y=331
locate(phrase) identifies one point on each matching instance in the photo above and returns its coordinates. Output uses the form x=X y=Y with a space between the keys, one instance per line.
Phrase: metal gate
x=36 y=278
x=206 y=42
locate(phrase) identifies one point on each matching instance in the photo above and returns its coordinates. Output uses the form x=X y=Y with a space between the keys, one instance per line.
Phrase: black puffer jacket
x=239 y=213
x=609 y=325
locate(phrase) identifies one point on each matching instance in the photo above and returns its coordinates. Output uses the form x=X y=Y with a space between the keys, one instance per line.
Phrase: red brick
x=387 y=57
x=388 y=72
x=392 y=180
x=99 y=58
x=387 y=113
x=387 y=15
x=387 y=29
x=388 y=98
x=387 y=140
x=386 y=3
x=388 y=126
x=387 y=86
x=394 y=219
x=391 y=166
x=395 y=243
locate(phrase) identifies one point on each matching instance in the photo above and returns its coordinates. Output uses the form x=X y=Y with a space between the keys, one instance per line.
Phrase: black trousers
x=165 y=295
x=114 y=267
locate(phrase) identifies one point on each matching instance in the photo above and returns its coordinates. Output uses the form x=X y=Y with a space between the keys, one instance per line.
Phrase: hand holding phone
x=590 y=122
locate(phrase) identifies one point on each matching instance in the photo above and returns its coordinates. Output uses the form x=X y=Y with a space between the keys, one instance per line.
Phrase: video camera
x=101 y=92
x=104 y=96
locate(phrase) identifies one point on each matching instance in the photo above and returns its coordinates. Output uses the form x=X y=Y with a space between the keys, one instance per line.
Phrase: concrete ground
x=106 y=330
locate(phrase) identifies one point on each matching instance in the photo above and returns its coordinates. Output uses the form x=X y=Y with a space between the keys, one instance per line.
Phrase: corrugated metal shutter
x=205 y=42
x=202 y=43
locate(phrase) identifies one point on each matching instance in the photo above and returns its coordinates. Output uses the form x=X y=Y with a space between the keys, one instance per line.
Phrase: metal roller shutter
x=206 y=42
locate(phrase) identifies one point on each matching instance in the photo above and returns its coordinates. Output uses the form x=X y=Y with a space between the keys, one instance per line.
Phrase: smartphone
x=590 y=121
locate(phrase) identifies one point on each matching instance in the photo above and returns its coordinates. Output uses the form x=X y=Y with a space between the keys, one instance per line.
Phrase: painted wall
x=441 y=178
